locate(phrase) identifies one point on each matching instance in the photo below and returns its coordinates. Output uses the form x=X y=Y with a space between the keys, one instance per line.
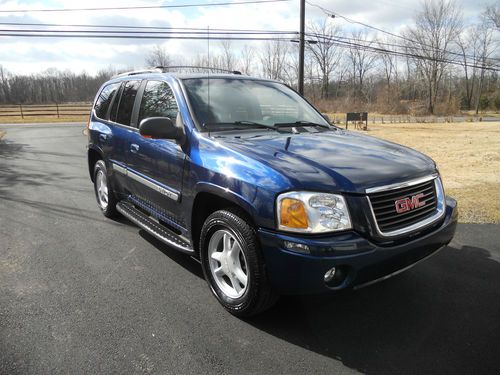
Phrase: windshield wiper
x=298 y=123
x=237 y=125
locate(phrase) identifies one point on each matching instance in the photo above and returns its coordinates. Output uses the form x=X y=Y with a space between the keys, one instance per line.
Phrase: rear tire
x=233 y=264
x=105 y=196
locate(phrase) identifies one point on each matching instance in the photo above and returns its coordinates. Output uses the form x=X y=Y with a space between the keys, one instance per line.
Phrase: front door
x=155 y=166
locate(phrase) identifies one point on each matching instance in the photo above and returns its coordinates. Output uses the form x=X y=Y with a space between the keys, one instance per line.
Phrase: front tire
x=233 y=264
x=105 y=196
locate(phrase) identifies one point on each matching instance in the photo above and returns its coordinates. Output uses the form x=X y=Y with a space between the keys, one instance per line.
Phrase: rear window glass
x=127 y=101
x=104 y=100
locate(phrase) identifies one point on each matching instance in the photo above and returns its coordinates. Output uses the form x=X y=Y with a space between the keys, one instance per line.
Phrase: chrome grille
x=384 y=207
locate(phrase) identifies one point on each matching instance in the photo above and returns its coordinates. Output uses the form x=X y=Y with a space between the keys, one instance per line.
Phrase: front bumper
x=360 y=260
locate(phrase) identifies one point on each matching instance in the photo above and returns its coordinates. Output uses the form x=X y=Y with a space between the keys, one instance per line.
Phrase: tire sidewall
x=101 y=166
x=214 y=223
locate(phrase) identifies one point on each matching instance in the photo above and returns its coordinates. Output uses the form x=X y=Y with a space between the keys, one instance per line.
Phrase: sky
x=20 y=55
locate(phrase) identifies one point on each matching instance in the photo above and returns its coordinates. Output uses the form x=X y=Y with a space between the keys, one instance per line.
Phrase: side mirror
x=159 y=128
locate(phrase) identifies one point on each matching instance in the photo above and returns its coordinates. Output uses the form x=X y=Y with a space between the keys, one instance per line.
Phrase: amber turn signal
x=293 y=214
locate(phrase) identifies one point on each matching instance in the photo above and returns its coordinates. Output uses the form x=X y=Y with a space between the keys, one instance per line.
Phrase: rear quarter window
x=127 y=100
x=104 y=99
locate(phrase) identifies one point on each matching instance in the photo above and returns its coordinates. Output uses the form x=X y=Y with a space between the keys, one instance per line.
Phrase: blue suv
x=247 y=176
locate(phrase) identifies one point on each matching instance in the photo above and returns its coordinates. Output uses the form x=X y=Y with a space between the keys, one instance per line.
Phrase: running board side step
x=152 y=227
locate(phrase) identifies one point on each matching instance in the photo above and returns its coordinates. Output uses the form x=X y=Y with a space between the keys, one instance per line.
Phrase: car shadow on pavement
x=12 y=174
x=443 y=316
x=184 y=260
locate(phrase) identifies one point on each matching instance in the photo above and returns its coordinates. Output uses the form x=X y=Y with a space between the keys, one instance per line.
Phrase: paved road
x=83 y=294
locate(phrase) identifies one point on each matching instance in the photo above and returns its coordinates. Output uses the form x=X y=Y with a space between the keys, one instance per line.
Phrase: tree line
x=50 y=86
x=439 y=65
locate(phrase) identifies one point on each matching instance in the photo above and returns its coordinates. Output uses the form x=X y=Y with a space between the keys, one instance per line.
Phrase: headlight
x=306 y=212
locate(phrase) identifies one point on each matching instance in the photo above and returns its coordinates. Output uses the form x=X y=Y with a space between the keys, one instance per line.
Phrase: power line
x=374 y=49
x=158 y=37
x=105 y=32
x=137 y=27
x=428 y=47
x=474 y=58
x=143 y=7
x=331 y=12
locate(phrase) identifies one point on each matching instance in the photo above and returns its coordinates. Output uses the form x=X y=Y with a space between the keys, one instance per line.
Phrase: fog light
x=329 y=275
x=298 y=247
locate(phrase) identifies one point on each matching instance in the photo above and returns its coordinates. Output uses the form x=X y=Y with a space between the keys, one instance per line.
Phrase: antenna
x=208 y=71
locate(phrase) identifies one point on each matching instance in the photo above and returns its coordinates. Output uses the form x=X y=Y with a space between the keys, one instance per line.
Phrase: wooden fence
x=46 y=110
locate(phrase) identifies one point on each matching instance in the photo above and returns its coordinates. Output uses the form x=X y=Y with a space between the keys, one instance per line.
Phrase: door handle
x=134 y=148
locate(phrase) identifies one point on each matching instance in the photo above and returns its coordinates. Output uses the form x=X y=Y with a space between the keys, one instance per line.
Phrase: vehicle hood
x=334 y=160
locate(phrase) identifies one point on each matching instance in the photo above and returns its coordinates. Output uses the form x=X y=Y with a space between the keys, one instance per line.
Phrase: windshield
x=247 y=103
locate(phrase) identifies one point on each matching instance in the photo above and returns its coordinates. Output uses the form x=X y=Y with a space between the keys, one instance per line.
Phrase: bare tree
x=389 y=68
x=4 y=83
x=325 y=51
x=291 y=69
x=227 y=59
x=492 y=14
x=362 y=61
x=486 y=48
x=158 y=56
x=247 y=58
x=469 y=45
x=274 y=59
x=436 y=27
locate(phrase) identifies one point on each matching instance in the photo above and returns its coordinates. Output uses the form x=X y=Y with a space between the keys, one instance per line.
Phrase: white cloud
x=23 y=55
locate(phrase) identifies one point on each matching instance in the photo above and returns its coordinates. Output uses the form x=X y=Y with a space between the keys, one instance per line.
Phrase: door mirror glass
x=159 y=128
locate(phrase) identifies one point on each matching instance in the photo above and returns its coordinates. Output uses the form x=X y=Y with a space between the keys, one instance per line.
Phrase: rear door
x=156 y=165
x=123 y=127
x=112 y=141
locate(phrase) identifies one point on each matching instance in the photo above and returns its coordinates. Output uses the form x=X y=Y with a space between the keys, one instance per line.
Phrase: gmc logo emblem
x=407 y=204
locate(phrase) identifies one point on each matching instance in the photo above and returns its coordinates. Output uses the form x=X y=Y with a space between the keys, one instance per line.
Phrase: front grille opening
x=384 y=206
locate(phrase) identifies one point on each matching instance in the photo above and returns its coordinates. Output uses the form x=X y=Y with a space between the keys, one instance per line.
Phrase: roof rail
x=134 y=72
x=196 y=68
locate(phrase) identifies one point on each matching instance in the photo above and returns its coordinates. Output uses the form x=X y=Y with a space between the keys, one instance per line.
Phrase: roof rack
x=134 y=72
x=188 y=68
x=196 y=68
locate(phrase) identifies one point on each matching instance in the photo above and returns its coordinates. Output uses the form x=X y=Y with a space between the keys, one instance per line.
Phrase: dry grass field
x=468 y=157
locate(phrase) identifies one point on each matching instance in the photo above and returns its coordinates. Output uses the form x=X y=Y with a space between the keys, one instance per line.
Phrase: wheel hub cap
x=102 y=189
x=228 y=264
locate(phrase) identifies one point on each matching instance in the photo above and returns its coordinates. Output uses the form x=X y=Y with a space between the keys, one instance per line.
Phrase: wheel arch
x=210 y=198
x=93 y=155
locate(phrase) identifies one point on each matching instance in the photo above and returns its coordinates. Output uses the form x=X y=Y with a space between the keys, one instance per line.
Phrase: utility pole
x=301 y=45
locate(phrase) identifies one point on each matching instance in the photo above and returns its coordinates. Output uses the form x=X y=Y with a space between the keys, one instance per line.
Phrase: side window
x=114 y=107
x=158 y=101
x=103 y=101
x=127 y=100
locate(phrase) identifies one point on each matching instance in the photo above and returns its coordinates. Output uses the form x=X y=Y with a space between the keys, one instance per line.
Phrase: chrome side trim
x=440 y=211
x=170 y=193
x=398 y=271
x=119 y=169
x=400 y=185
x=160 y=189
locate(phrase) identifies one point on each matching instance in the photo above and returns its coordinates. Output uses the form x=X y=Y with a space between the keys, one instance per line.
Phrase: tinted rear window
x=127 y=101
x=103 y=101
